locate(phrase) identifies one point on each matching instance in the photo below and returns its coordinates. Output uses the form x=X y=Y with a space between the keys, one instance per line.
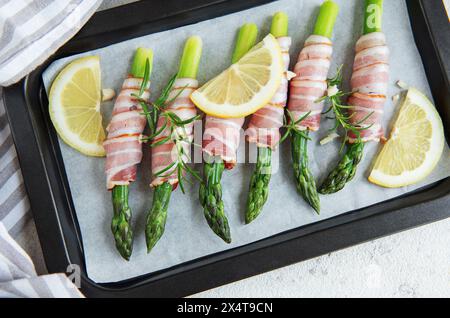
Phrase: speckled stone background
x=415 y=263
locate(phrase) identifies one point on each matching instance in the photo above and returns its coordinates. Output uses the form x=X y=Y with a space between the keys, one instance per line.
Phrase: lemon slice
x=414 y=147
x=74 y=105
x=246 y=86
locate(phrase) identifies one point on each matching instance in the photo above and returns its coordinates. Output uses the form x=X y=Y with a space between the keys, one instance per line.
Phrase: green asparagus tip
x=245 y=41
x=140 y=59
x=345 y=171
x=373 y=14
x=305 y=182
x=280 y=25
x=328 y=13
x=210 y=195
x=259 y=184
x=121 y=222
x=190 y=60
x=157 y=216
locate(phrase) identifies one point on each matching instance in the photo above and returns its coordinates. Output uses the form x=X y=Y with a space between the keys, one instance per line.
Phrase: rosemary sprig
x=340 y=111
x=290 y=124
x=152 y=113
x=158 y=107
x=179 y=137
x=146 y=77
x=177 y=131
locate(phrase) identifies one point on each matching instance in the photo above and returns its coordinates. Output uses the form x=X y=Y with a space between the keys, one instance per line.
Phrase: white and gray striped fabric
x=18 y=277
x=30 y=31
x=14 y=205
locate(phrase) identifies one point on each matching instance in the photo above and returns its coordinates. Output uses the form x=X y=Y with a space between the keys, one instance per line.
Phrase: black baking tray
x=49 y=193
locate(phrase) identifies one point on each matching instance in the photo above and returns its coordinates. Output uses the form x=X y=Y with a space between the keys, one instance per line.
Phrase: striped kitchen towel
x=14 y=205
x=32 y=30
x=18 y=277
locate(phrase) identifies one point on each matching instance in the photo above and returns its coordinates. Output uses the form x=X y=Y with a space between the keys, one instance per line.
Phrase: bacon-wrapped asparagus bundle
x=265 y=124
x=124 y=148
x=172 y=146
x=221 y=141
x=307 y=88
x=369 y=86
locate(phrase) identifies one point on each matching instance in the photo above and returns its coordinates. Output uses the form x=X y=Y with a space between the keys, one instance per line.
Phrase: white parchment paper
x=187 y=235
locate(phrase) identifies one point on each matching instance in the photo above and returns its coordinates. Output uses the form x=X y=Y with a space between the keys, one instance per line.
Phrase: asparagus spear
x=306 y=185
x=210 y=193
x=156 y=218
x=259 y=182
x=245 y=41
x=121 y=221
x=346 y=169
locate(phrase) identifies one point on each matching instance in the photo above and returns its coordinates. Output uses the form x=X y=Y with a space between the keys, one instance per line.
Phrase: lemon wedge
x=414 y=147
x=246 y=86
x=74 y=106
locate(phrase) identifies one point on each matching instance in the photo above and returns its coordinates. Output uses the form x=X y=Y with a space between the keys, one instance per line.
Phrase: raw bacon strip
x=370 y=40
x=166 y=154
x=221 y=138
x=123 y=145
x=310 y=83
x=126 y=123
x=122 y=156
x=371 y=56
x=371 y=79
x=265 y=124
x=369 y=83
